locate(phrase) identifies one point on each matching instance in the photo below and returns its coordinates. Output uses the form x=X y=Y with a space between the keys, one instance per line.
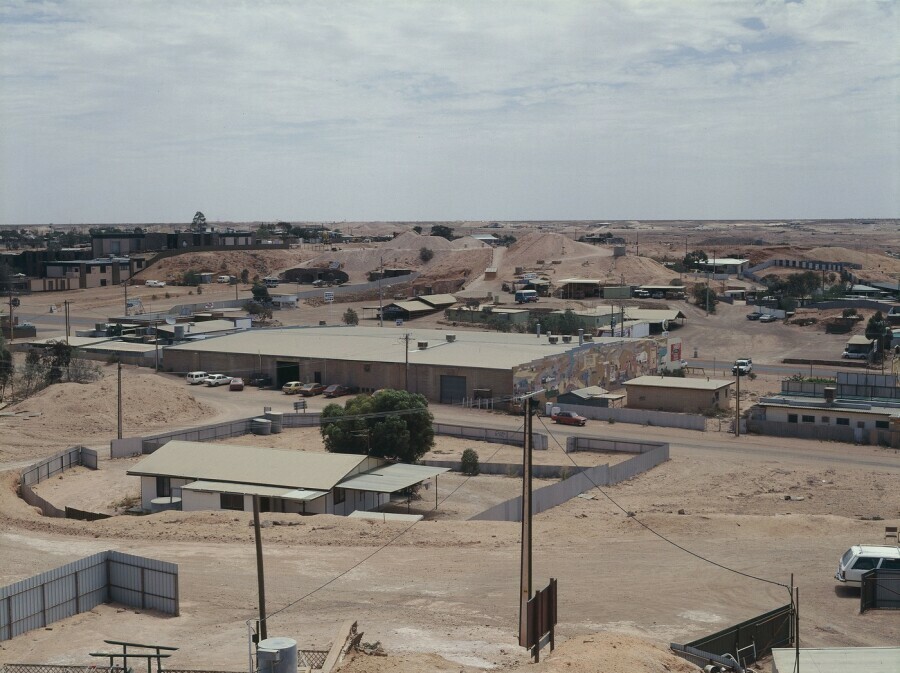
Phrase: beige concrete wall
x=679 y=400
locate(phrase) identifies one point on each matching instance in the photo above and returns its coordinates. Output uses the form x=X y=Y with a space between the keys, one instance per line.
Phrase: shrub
x=470 y=462
x=847 y=312
x=426 y=254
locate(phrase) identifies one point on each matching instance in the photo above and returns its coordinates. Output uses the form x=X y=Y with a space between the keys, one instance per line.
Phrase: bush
x=470 y=462
x=426 y=254
x=350 y=317
x=847 y=312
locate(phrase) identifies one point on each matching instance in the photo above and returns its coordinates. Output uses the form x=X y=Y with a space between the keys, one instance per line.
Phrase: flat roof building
x=674 y=393
x=443 y=366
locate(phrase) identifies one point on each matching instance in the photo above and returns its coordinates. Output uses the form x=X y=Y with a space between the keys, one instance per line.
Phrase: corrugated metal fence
x=79 y=586
x=663 y=419
x=749 y=640
x=556 y=494
x=72 y=457
x=880 y=590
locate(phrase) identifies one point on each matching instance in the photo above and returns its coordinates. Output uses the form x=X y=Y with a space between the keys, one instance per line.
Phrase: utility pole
x=12 y=332
x=525 y=567
x=737 y=403
x=125 y=285
x=406 y=374
x=707 y=291
x=120 y=398
x=260 y=573
x=66 y=307
x=381 y=295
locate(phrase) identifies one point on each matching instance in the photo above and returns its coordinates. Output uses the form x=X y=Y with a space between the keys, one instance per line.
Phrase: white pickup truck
x=742 y=366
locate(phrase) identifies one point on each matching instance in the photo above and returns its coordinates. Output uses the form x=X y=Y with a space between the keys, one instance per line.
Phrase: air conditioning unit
x=423 y=345
x=451 y=338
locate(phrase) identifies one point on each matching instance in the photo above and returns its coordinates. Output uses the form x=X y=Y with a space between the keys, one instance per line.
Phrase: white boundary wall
x=663 y=419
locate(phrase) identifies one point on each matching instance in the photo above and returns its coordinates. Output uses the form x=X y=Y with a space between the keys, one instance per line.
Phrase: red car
x=311 y=389
x=568 y=418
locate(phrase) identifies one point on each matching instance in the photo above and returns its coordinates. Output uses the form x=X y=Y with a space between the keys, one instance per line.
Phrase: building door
x=453 y=389
x=286 y=371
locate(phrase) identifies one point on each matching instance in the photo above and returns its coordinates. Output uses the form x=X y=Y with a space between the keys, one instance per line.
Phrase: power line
x=657 y=534
x=378 y=550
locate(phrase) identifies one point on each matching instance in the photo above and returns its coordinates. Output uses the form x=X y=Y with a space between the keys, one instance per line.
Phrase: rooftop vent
x=451 y=338
x=829 y=394
x=553 y=339
x=423 y=345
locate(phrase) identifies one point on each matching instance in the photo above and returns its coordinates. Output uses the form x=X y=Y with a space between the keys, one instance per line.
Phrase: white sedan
x=217 y=380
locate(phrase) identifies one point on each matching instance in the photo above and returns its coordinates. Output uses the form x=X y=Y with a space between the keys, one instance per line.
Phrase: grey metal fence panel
x=825 y=433
x=617 y=445
x=880 y=590
x=82 y=585
x=55 y=464
x=768 y=630
x=510 y=469
x=638 y=464
x=665 y=419
x=89 y=458
x=47 y=508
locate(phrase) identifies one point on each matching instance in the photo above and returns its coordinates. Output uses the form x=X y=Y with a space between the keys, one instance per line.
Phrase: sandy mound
x=257 y=262
x=413 y=241
x=558 y=257
x=66 y=414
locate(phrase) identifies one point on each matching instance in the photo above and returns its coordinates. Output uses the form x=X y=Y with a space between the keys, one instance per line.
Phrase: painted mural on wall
x=605 y=365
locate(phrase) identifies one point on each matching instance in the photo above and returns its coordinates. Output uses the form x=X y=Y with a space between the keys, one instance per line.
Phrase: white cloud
x=447 y=110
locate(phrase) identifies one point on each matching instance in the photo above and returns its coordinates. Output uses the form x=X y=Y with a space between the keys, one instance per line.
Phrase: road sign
x=300 y=406
x=329 y=296
x=399 y=322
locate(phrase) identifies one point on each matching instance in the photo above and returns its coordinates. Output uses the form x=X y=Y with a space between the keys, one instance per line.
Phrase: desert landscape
x=441 y=594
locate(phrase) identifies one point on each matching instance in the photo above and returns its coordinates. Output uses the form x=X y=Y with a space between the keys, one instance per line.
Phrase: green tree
x=877 y=329
x=692 y=259
x=704 y=296
x=443 y=231
x=7 y=367
x=254 y=308
x=417 y=229
x=426 y=254
x=391 y=424
x=470 y=462
x=191 y=277
x=260 y=293
x=350 y=317
x=199 y=221
x=245 y=276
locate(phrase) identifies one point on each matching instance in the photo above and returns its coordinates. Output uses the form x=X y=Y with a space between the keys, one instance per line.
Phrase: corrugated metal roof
x=678 y=382
x=391 y=478
x=578 y=281
x=203 y=327
x=237 y=464
x=385 y=516
x=860 y=340
x=438 y=300
x=590 y=391
x=411 y=306
x=484 y=350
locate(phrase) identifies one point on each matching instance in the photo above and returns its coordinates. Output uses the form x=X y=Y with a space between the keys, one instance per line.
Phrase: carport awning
x=391 y=478
x=253 y=489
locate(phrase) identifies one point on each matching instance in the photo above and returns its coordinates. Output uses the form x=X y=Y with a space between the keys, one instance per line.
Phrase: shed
x=859 y=343
x=437 y=300
x=673 y=393
x=407 y=309
x=591 y=396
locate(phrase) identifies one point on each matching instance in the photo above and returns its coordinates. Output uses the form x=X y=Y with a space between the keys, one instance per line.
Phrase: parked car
x=155 y=283
x=855 y=355
x=217 y=380
x=742 y=366
x=196 y=378
x=311 y=389
x=658 y=295
x=860 y=559
x=568 y=418
x=259 y=380
x=754 y=316
x=767 y=317
x=292 y=387
x=236 y=384
x=641 y=294
x=336 y=390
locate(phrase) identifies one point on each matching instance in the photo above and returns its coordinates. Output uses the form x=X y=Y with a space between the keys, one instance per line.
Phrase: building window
x=163 y=487
x=792 y=418
x=882 y=425
x=826 y=419
x=231 y=501
x=860 y=424
x=809 y=419
x=842 y=421
x=103 y=268
x=339 y=496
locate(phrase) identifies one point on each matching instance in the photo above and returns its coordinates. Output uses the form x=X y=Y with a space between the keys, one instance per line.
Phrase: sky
x=140 y=111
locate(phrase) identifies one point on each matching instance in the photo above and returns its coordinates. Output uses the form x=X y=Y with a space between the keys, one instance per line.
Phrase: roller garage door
x=453 y=389
x=286 y=371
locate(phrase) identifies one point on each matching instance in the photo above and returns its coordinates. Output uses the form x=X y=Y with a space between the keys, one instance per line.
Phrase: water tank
x=164 y=504
x=277 y=420
x=261 y=426
x=277 y=655
x=829 y=394
x=179 y=332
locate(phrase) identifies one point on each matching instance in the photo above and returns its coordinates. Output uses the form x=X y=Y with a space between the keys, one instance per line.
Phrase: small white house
x=208 y=476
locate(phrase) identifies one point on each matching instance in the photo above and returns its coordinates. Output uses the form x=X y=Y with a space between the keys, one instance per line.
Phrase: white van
x=224 y=279
x=862 y=558
x=526 y=296
x=196 y=378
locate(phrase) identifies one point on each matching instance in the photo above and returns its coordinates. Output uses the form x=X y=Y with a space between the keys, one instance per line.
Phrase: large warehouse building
x=442 y=366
